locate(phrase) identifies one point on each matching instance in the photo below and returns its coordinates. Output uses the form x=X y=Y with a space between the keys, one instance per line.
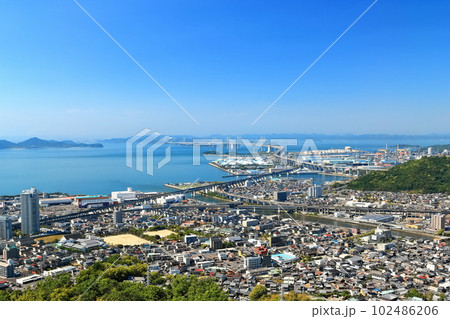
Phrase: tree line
x=108 y=280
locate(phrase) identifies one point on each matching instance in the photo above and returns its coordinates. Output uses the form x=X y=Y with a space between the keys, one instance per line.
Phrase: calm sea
x=102 y=170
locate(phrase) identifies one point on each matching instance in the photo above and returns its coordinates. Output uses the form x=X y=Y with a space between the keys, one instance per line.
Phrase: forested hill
x=427 y=175
x=108 y=281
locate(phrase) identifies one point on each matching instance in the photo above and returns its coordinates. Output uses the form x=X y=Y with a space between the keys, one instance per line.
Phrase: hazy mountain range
x=39 y=143
x=302 y=136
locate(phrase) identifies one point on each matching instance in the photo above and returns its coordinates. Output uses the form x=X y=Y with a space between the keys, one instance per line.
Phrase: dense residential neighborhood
x=241 y=249
x=277 y=235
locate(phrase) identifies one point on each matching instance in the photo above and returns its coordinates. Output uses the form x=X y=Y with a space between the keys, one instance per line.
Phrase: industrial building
x=122 y=196
x=376 y=218
x=58 y=271
x=171 y=199
x=26 y=280
x=92 y=201
x=56 y=201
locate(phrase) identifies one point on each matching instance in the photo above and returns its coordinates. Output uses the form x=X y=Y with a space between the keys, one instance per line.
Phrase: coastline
x=221 y=168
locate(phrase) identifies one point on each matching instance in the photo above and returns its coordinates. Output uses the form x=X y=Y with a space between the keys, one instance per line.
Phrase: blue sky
x=225 y=62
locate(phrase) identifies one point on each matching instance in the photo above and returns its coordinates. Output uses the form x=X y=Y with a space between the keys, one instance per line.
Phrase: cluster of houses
x=242 y=249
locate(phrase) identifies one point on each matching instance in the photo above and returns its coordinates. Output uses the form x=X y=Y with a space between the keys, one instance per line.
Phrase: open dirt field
x=49 y=239
x=126 y=240
x=161 y=233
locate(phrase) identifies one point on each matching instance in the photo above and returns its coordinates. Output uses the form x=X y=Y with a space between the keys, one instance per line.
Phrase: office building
x=92 y=201
x=29 y=201
x=250 y=222
x=381 y=234
x=5 y=227
x=315 y=191
x=280 y=196
x=252 y=262
x=266 y=261
x=6 y=269
x=11 y=252
x=215 y=243
x=275 y=241
x=438 y=222
x=188 y=239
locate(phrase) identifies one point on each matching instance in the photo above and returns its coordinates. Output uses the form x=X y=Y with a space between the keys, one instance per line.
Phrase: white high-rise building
x=315 y=191
x=29 y=202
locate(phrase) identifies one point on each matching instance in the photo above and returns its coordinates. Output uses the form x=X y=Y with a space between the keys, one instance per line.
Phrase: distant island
x=427 y=175
x=39 y=143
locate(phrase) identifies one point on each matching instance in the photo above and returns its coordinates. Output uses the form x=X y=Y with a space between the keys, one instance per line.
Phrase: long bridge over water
x=149 y=199
x=251 y=203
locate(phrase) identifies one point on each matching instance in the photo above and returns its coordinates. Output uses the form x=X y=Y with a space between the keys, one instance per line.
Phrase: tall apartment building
x=315 y=191
x=438 y=222
x=117 y=217
x=29 y=201
x=5 y=227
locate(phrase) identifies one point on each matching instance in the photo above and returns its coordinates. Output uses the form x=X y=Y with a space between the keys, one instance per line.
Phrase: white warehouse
x=122 y=196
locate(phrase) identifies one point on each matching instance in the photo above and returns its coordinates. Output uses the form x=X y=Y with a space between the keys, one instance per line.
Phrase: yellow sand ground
x=49 y=239
x=125 y=239
x=160 y=233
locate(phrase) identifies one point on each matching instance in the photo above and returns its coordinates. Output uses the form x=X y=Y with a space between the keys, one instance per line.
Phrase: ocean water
x=102 y=170
x=94 y=170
